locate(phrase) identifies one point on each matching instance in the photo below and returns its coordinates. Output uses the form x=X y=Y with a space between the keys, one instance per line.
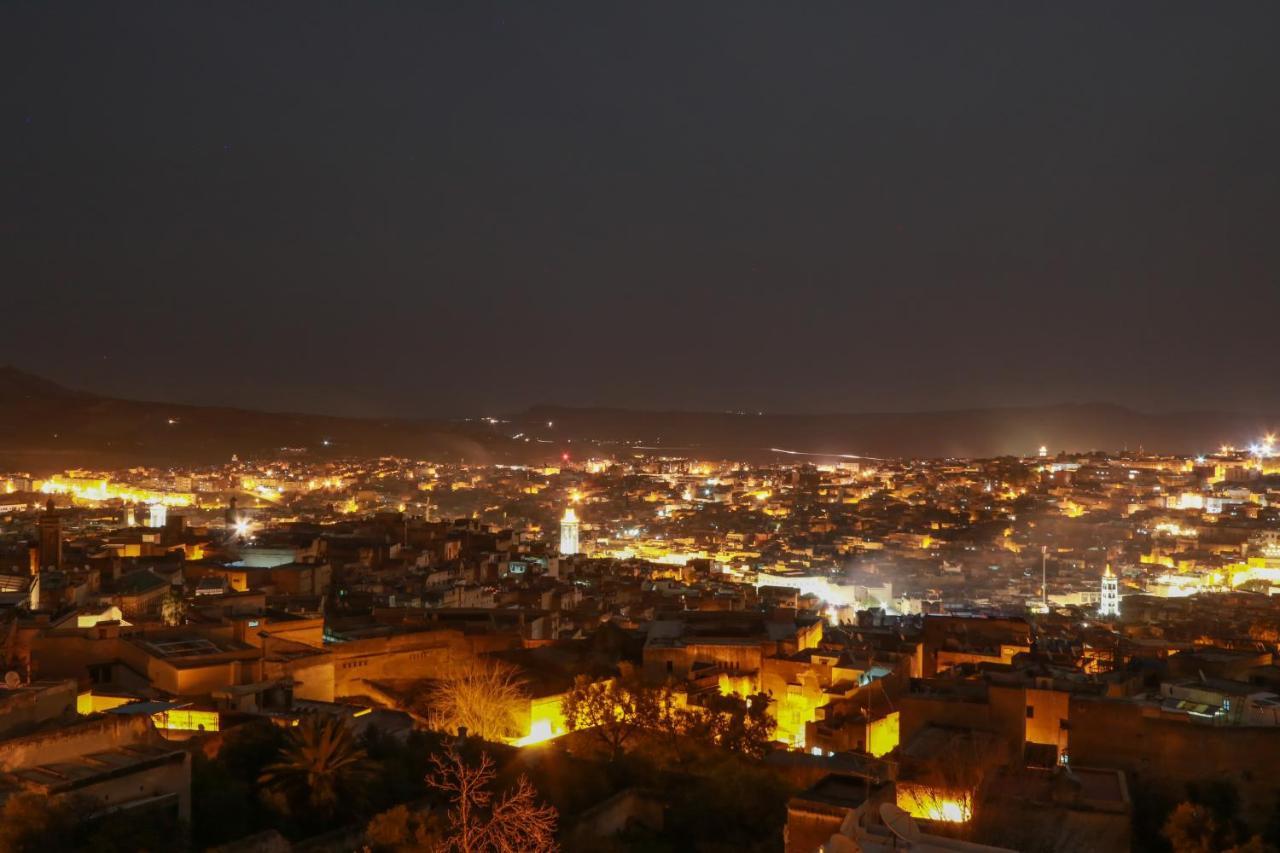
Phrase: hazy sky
x=448 y=207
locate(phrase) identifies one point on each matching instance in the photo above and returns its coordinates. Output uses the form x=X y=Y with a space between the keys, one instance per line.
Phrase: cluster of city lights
x=1264 y=449
x=101 y=491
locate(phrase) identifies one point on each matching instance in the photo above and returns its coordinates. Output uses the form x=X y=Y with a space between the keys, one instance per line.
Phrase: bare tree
x=945 y=787
x=478 y=823
x=484 y=696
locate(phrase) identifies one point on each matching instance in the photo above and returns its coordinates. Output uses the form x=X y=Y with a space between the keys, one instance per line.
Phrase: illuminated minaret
x=1110 y=604
x=569 y=532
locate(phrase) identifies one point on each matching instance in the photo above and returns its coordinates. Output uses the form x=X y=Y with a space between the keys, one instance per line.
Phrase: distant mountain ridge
x=45 y=426
x=14 y=382
x=962 y=433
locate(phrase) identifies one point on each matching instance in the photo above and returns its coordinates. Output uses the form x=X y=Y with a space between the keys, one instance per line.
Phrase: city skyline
x=494 y=426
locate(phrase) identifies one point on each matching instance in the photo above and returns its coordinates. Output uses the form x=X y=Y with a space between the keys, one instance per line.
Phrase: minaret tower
x=50 y=526
x=1110 y=604
x=569 y=533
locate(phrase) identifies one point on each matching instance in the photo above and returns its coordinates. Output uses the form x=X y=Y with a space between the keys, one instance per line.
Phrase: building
x=159 y=515
x=1110 y=605
x=569 y=533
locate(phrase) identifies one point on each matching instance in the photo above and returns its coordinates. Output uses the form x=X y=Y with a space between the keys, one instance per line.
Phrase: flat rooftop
x=95 y=767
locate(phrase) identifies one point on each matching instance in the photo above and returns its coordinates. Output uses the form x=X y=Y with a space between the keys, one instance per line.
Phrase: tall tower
x=50 y=525
x=569 y=532
x=1110 y=604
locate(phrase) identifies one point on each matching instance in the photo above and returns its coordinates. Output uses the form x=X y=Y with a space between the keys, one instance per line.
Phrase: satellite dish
x=12 y=680
x=900 y=823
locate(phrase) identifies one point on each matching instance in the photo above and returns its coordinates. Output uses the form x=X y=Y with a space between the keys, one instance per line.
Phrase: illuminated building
x=186 y=720
x=546 y=720
x=1110 y=605
x=882 y=734
x=94 y=490
x=1043 y=452
x=569 y=532
x=159 y=513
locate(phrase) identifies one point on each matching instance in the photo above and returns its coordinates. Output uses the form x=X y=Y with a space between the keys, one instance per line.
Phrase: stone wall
x=1167 y=753
x=91 y=734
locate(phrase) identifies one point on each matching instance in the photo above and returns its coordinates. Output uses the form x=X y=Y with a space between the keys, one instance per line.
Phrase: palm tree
x=320 y=761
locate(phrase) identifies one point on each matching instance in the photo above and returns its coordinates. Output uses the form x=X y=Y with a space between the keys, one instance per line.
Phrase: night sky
x=446 y=208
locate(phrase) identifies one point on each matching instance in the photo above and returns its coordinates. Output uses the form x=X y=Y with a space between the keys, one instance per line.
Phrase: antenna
x=1044 y=576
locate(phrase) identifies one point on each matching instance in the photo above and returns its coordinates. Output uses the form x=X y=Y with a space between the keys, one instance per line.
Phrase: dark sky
x=446 y=207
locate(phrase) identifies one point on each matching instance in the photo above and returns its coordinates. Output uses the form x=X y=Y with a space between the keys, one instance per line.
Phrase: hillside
x=44 y=427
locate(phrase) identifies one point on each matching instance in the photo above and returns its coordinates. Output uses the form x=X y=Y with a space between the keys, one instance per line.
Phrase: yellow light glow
x=882 y=735
x=101 y=490
x=927 y=803
x=546 y=721
x=743 y=686
x=186 y=720
x=88 y=703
